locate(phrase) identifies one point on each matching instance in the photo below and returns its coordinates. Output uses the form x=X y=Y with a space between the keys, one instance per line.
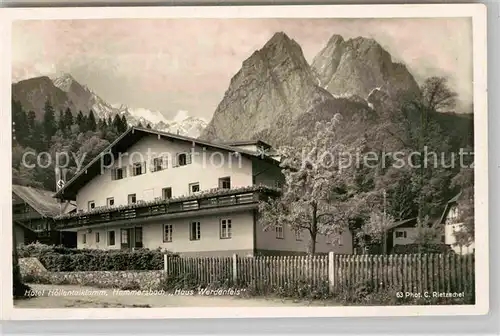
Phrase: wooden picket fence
x=409 y=272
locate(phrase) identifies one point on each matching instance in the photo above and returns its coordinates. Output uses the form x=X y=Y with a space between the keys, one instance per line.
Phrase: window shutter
x=143 y=168
x=124 y=172
x=164 y=162
x=175 y=160
x=152 y=165
x=188 y=158
x=113 y=174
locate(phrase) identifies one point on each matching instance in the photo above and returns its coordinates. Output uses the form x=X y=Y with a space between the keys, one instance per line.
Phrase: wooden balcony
x=25 y=216
x=213 y=199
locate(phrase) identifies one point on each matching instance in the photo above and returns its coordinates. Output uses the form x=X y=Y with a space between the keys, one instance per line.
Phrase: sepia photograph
x=303 y=158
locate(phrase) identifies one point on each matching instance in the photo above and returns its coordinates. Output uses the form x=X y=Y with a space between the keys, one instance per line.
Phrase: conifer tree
x=49 y=121
x=61 y=123
x=91 y=123
x=81 y=122
x=124 y=124
x=117 y=124
x=68 y=118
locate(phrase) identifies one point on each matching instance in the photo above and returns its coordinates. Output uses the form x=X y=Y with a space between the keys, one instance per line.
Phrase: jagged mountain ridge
x=278 y=97
x=357 y=66
x=274 y=86
x=65 y=91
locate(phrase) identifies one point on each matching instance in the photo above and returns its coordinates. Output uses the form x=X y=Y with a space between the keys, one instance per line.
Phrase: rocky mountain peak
x=64 y=82
x=335 y=39
x=274 y=86
x=357 y=66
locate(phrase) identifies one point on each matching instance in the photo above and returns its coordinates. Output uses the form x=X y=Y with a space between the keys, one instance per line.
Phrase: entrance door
x=138 y=237
x=131 y=238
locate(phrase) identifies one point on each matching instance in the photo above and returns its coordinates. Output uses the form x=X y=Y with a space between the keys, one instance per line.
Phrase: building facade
x=452 y=225
x=406 y=232
x=33 y=213
x=152 y=190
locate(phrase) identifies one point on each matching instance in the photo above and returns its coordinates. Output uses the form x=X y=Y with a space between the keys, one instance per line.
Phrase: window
x=225 y=229
x=183 y=159
x=443 y=239
x=166 y=193
x=159 y=164
x=84 y=238
x=138 y=168
x=195 y=231
x=91 y=205
x=117 y=174
x=298 y=235
x=110 y=201
x=400 y=234
x=280 y=234
x=97 y=238
x=167 y=233
x=124 y=236
x=225 y=183
x=111 y=238
x=194 y=188
x=131 y=199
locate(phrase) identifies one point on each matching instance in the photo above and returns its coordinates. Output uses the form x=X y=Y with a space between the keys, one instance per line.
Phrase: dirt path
x=68 y=296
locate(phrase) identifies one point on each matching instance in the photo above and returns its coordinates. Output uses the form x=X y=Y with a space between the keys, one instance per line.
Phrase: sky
x=185 y=65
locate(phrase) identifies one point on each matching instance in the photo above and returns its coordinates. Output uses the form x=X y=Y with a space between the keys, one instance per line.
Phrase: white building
x=153 y=189
x=452 y=225
x=405 y=232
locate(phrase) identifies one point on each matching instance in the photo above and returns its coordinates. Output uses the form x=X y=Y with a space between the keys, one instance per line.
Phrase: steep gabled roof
x=41 y=200
x=131 y=136
x=450 y=203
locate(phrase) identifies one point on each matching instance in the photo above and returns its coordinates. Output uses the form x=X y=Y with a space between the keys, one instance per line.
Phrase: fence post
x=235 y=269
x=331 y=273
x=165 y=262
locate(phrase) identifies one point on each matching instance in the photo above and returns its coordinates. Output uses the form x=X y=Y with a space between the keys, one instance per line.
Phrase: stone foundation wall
x=33 y=271
x=31 y=267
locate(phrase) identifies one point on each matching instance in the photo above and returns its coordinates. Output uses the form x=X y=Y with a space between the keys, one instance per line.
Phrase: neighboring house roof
x=41 y=200
x=409 y=223
x=126 y=140
x=450 y=203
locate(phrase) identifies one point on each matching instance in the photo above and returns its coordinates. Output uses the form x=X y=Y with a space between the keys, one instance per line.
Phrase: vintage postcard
x=264 y=161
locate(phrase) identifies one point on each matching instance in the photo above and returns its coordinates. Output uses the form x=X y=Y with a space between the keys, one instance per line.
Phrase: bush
x=63 y=259
x=414 y=248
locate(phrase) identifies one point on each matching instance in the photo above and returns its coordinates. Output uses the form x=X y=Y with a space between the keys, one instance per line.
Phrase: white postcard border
x=476 y=11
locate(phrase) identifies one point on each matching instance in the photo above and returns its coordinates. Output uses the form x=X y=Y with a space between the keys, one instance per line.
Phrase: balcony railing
x=24 y=216
x=204 y=200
